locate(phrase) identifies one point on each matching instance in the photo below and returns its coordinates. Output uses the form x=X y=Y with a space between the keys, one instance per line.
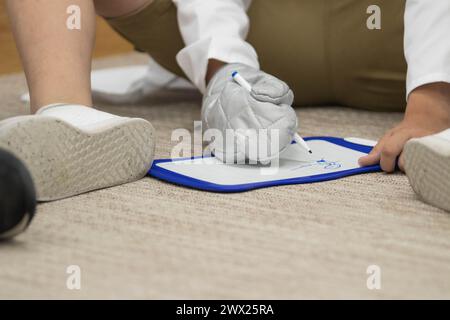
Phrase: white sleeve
x=213 y=29
x=427 y=42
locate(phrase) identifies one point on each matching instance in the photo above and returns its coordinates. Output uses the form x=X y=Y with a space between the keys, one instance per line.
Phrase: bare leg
x=60 y=147
x=57 y=61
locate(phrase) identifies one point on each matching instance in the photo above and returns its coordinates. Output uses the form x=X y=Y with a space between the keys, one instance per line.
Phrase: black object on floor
x=17 y=196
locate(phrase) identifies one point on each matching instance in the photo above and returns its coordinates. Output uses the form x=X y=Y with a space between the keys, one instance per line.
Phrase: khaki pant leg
x=321 y=48
x=289 y=37
x=325 y=52
x=368 y=67
x=153 y=29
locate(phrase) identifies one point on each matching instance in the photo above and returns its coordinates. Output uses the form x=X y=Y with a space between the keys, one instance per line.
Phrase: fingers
x=401 y=162
x=388 y=150
x=393 y=149
x=374 y=156
x=389 y=153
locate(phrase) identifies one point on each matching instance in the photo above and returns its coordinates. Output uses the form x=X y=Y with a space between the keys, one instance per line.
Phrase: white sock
x=79 y=116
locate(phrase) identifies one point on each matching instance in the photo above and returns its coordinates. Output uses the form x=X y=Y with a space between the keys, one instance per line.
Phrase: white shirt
x=213 y=29
x=217 y=29
x=427 y=42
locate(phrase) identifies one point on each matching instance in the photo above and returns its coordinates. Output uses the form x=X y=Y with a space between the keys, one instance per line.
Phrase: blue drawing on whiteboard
x=325 y=164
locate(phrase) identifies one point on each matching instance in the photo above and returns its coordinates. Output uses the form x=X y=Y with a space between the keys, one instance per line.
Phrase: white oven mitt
x=227 y=105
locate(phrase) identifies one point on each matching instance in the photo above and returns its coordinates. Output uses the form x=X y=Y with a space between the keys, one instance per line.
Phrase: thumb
x=267 y=88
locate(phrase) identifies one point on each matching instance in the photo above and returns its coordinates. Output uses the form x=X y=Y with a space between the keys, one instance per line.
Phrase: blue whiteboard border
x=186 y=181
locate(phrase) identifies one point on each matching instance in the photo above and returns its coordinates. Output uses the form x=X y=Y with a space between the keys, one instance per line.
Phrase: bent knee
x=118 y=8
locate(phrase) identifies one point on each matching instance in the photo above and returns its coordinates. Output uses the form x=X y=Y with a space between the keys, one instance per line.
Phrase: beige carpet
x=150 y=239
